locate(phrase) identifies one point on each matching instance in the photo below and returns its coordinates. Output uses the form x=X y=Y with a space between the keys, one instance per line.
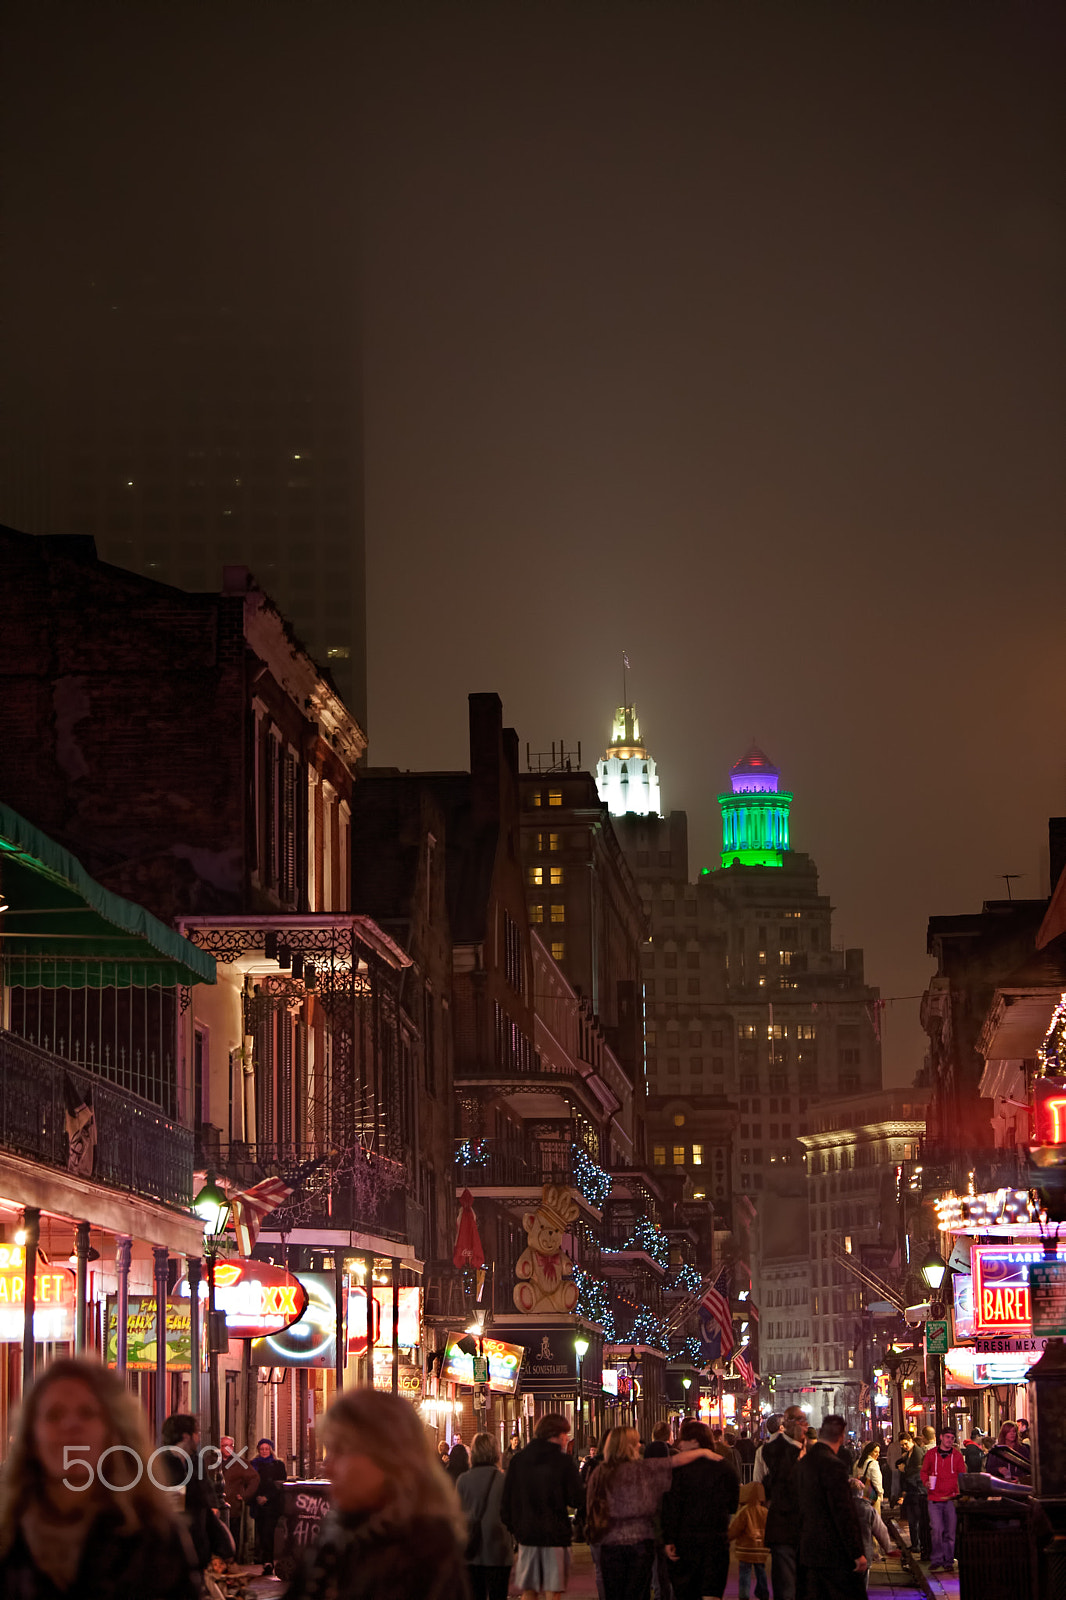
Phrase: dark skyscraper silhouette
x=184 y=379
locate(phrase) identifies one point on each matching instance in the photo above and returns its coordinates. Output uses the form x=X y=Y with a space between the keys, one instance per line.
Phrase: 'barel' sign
x=1001 y=1297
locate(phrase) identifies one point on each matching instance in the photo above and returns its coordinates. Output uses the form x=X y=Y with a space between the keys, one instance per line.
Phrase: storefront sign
x=1017 y=1344
x=958 y=1367
x=53 y=1312
x=409 y=1377
x=258 y=1298
x=410 y=1318
x=1001 y=1287
x=505 y=1361
x=311 y=1342
x=1047 y=1290
x=962 y=1295
x=550 y=1359
x=1049 y=1111
x=1001 y=1369
x=141 y=1338
x=609 y=1381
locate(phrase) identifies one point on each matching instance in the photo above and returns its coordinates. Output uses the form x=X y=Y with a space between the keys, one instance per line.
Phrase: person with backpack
x=490 y=1548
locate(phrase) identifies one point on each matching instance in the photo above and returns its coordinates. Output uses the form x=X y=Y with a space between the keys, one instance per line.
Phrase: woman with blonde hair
x=490 y=1548
x=396 y=1528
x=624 y=1494
x=79 y=1512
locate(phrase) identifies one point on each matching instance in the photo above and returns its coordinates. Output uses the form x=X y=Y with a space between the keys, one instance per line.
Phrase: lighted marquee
x=1001 y=1286
x=1009 y=1213
x=505 y=1361
x=53 y=1313
x=257 y=1298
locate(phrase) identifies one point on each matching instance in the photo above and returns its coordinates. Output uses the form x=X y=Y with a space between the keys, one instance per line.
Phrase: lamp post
x=686 y=1384
x=934 y=1270
x=581 y=1346
x=213 y=1208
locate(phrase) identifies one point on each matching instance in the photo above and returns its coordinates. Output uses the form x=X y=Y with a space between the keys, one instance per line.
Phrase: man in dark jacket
x=830 y=1548
x=780 y=1458
x=182 y=1466
x=541 y=1482
x=695 y=1518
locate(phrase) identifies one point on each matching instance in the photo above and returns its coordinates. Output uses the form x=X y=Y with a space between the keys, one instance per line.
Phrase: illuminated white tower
x=626 y=777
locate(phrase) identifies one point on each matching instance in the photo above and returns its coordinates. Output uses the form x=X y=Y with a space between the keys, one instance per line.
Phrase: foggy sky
x=732 y=336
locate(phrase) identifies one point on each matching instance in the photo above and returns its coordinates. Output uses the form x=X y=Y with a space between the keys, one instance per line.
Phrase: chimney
x=486 y=739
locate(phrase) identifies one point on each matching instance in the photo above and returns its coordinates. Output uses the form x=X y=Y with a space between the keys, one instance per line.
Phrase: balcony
x=480 y=1165
x=138 y=1149
x=351 y=1191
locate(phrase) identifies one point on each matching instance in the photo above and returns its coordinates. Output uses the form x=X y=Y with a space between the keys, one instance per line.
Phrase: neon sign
x=258 y=1298
x=1049 y=1111
x=1001 y=1287
x=504 y=1363
x=410 y=1318
x=53 y=1313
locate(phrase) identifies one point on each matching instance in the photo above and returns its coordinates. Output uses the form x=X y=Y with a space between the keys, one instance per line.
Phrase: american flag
x=251 y=1206
x=716 y=1318
x=745 y=1367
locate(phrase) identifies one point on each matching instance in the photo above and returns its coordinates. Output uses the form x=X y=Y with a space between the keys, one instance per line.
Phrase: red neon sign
x=1049 y=1111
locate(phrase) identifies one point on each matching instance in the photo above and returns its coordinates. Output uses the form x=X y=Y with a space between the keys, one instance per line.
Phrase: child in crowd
x=748 y=1532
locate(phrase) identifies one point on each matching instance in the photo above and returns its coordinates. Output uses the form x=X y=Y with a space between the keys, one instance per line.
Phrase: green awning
x=62 y=929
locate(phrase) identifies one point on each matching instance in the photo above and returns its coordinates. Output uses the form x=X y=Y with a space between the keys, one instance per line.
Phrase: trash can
x=992 y=1549
x=307 y=1502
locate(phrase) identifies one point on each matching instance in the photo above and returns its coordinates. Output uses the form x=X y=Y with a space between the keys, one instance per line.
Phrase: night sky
x=731 y=336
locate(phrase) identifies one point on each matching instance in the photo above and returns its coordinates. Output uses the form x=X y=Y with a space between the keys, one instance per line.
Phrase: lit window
x=535 y=799
x=553 y=841
x=535 y=877
x=536 y=914
x=558 y=912
x=679 y=1155
x=679 y=1119
x=697 y=1155
x=699 y=1194
x=558 y=950
x=555 y=797
x=658 y=1155
x=556 y=877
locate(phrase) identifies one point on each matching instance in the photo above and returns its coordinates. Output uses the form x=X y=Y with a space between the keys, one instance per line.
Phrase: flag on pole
x=252 y=1206
x=716 y=1319
x=744 y=1367
x=625 y=660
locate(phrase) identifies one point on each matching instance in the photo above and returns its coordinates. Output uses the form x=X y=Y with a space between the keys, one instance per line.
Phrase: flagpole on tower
x=625 y=689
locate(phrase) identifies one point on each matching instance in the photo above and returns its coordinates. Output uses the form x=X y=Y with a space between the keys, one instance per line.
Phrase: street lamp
x=934 y=1270
x=686 y=1384
x=581 y=1345
x=212 y=1207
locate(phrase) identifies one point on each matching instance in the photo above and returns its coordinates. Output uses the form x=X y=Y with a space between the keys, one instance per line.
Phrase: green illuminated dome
x=754 y=813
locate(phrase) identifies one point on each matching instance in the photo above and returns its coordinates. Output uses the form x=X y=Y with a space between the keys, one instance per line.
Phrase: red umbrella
x=468 y=1248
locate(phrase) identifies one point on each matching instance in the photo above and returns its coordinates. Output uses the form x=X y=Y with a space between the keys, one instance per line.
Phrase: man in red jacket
x=940 y=1474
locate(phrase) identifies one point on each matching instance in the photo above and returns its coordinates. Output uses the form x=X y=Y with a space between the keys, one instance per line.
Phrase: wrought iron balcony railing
x=137 y=1147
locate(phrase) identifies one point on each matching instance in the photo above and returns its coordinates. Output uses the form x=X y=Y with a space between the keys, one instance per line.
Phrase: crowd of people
x=89 y=1509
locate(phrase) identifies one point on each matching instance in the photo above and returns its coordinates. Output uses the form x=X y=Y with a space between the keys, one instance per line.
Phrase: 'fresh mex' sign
x=1001 y=1302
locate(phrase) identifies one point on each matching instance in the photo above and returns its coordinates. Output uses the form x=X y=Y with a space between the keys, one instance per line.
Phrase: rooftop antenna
x=625 y=691
x=1007 y=877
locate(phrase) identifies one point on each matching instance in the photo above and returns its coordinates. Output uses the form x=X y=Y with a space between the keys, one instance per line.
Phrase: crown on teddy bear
x=557 y=1205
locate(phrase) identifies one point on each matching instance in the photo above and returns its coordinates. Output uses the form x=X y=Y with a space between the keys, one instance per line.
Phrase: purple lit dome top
x=754 y=773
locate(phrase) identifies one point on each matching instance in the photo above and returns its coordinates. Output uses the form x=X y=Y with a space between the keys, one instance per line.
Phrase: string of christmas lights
x=589 y=1178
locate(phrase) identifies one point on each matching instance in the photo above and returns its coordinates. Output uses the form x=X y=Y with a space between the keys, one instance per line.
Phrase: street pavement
x=886 y=1578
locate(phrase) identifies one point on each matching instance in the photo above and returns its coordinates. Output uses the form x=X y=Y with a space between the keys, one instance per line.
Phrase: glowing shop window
x=697 y=1155
x=558 y=950
x=555 y=797
x=558 y=912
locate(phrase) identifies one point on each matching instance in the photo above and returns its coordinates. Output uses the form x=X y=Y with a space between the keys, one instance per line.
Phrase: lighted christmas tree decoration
x=754 y=814
x=590 y=1179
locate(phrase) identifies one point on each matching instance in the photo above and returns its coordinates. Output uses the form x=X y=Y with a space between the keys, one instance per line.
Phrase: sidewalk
x=886 y=1578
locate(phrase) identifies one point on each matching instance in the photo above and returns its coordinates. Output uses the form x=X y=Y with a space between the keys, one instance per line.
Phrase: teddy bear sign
x=545 y=1274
